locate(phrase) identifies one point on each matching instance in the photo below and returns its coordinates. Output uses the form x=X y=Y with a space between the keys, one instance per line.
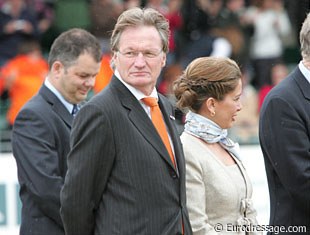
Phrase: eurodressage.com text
x=276 y=229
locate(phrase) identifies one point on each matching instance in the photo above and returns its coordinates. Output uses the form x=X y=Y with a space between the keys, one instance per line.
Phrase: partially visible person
x=193 y=38
x=103 y=16
x=218 y=188
x=284 y=134
x=125 y=174
x=169 y=74
x=175 y=23
x=40 y=136
x=1 y=83
x=271 y=24
x=18 y=23
x=131 y=3
x=105 y=73
x=227 y=24
x=159 y=5
x=279 y=71
x=23 y=76
x=45 y=14
x=44 y=10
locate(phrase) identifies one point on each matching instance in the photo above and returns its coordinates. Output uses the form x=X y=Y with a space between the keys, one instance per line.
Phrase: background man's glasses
x=146 y=54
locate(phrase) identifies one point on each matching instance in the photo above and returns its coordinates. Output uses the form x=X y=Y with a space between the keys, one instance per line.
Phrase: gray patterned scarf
x=210 y=132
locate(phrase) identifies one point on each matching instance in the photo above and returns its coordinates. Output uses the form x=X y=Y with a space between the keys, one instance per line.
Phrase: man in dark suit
x=121 y=178
x=41 y=130
x=284 y=133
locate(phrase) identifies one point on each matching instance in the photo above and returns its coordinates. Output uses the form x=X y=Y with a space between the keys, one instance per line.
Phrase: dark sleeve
x=89 y=165
x=37 y=161
x=283 y=132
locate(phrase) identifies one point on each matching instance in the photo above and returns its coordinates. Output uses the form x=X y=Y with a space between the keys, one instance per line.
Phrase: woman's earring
x=212 y=113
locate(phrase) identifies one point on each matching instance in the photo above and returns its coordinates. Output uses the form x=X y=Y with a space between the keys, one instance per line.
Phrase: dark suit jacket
x=284 y=134
x=120 y=177
x=40 y=144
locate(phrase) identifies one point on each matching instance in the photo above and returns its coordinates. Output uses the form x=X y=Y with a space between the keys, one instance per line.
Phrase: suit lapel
x=56 y=105
x=140 y=119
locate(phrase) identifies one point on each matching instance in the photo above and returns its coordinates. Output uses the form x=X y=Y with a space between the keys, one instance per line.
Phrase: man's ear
x=57 y=68
x=163 y=63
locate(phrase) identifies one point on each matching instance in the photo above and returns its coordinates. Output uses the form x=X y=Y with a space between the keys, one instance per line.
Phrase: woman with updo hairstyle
x=218 y=188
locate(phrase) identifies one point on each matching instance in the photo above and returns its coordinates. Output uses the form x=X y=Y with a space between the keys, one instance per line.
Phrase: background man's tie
x=75 y=109
x=159 y=123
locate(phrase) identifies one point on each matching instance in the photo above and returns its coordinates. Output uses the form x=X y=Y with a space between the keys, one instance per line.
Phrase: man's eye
x=129 y=53
x=149 y=54
x=84 y=76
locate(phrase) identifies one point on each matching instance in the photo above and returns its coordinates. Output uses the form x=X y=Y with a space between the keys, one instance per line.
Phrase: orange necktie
x=159 y=123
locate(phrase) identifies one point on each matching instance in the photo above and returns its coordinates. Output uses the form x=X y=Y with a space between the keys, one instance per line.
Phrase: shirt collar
x=304 y=71
x=50 y=86
x=138 y=94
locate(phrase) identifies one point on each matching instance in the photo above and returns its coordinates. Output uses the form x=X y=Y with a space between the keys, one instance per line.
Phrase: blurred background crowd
x=260 y=35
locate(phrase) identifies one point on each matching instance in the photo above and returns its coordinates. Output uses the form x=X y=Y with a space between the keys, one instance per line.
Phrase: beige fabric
x=213 y=192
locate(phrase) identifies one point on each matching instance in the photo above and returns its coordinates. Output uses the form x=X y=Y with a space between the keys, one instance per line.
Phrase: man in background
x=40 y=137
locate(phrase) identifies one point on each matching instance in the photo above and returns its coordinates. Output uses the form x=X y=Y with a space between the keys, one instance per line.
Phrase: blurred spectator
x=221 y=45
x=103 y=15
x=227 y=24
x=271 y=24
x=201 y=35
x=44 y=11
x=23 y=76
x=175 y=23
x=18 y=23
x=105 y=74
x=131 y=3
x=229 y=14
x=193 y=38
x=1 y=85
x=278 y=72
x=158 y=5
x=169 y=75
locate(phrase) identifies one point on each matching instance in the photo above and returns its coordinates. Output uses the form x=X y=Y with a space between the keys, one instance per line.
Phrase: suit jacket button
x=173 y=174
